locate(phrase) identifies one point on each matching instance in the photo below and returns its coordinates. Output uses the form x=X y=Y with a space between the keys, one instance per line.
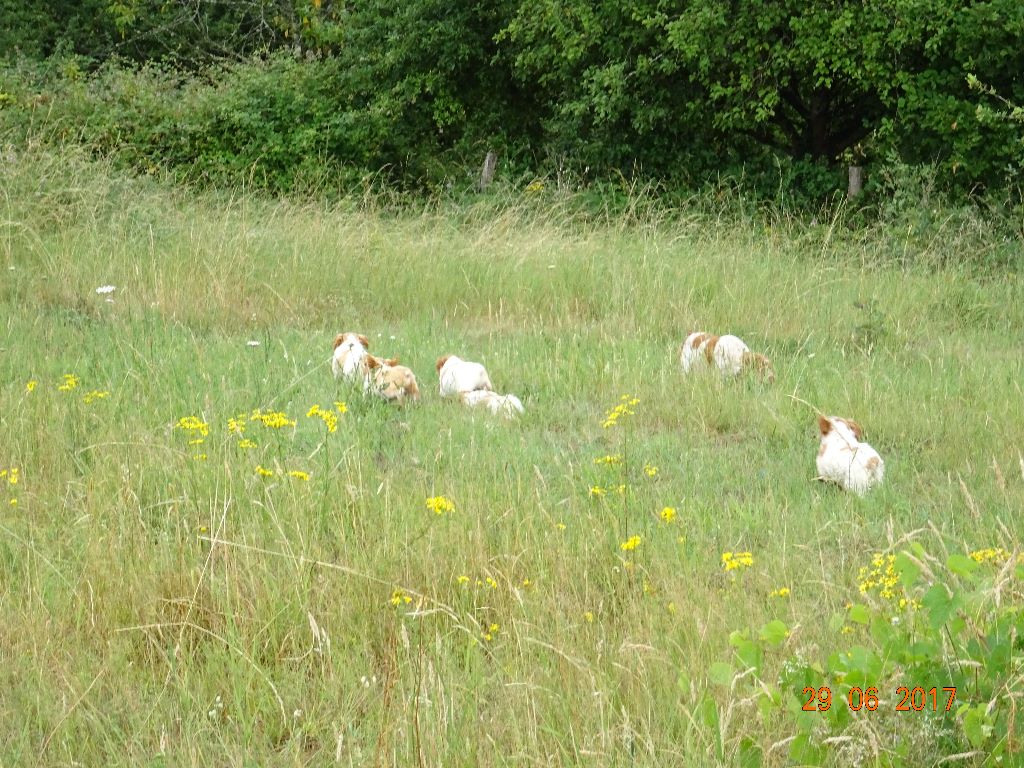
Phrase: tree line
x=776 y=92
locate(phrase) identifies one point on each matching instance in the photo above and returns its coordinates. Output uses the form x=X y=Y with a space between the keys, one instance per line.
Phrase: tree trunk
x=487 y=172
x=856 y=181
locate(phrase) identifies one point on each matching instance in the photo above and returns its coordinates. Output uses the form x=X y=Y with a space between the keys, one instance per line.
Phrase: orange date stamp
x=914 y=699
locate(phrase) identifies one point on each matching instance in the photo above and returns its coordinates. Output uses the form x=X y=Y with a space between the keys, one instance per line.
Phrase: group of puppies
x=843 y=457
x=386 y=378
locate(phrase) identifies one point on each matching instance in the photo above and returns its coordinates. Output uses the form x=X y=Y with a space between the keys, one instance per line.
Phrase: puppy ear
x=338 y=339
x=372 y=362
x=858 y=431
x=824 y=425
x=391 y=361
x=441 y=361
x=363 y=340
x=709 y=349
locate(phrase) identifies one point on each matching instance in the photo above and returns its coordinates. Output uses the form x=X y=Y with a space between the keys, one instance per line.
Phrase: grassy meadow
x=163 y=603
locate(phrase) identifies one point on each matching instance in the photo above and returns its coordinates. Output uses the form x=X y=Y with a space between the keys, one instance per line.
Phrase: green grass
x=128 y=638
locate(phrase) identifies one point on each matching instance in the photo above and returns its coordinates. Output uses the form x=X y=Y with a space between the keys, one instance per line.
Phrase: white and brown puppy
x=457 y=376
x=729 y=354
x=845 y=460
x=389 y=380
x=508 y=406
x=350 y=351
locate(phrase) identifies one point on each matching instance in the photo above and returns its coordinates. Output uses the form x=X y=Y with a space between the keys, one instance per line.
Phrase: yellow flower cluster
x=328 y=417
x=650 y=470
x=342 y=408
x=996 y=555
x=609 y=459
x=668 y=514
x=398 y=597
x=244 y=444
x=11 y=475
x=880 y=575
x=489 y=633
x=439 y=505
x=91 y=397
x=236 y=424
x=193 y=424
x=624 y=408
x=597 y=491
x=263 y=471
x=733 y=561
x=70 y=382
x=31 y=385
x=780 y=592
x=298 y=474
x=272 y=419
x=630 y=544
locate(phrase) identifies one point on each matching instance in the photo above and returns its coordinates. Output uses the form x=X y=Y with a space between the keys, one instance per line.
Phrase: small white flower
x=106 y=289
x=393 y=338
x=252 y=343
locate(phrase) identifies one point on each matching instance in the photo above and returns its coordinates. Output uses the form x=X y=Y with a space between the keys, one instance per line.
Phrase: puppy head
x=340 y=339
x=856 y=428
x=761 y=364
x=441 y=361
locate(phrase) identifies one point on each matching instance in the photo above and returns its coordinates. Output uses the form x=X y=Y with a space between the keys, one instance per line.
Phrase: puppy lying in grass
x=726 y=353
x=389 y=380
x=508 y=406
x=845 y=460
x=457 y=376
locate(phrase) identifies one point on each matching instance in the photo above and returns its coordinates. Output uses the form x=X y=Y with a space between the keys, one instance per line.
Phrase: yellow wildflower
x=243 y=444
x=91 y=397
x=399 y=596
x=560 y=526
x=14 y=502
x=11 y=475
x=200 y=457
x=780 y=592
x=491 y=583
x=272 y=419
x=630 y=544
x=672 y=608
x=70 y=382
x=463 y=579
x=588 y=616
x=31 y=385
x=193 y=424
x=609 y=459
x=668 y=514
x=881 y=575
x=597 y=491
x=342 y=408
x=732 y=561
x=650 y=470
x=996 y=555
x=263 y=471
x=527 y=583
x=298 y=474
x=236 y=424
x=197 y=441
x=439 y=505
x=489 y=633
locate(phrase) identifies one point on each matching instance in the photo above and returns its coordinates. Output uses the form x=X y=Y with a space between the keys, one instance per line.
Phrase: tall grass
x=159 y=608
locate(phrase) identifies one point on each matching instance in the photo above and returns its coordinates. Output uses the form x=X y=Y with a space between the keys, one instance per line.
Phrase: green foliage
x=921 y=624
x=778 y=95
